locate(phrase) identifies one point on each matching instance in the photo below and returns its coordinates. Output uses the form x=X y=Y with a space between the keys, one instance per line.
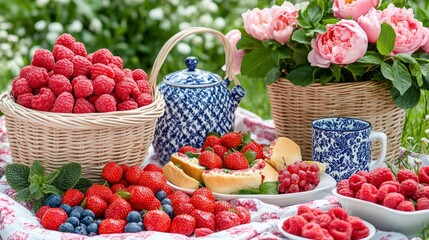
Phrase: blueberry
x=166 y=201
x=132 y=227
x=78 y=208
x=66 y=208
x=98 y=221
x=88 y=212
x=168 y=209
x=75 y=213
x=53 y=200
x=92 y=229
x=73 y=221
x=66 y=227
x=87 y=220
x=81 y=229
x=134 y=216
x=161 y=194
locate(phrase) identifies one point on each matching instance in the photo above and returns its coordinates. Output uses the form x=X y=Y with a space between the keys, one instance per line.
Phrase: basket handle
x=168 y=46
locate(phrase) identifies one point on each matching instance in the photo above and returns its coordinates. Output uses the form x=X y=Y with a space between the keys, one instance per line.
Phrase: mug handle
x=383 y=138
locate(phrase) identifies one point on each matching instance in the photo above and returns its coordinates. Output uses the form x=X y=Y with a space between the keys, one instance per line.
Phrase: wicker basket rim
x=339 y=85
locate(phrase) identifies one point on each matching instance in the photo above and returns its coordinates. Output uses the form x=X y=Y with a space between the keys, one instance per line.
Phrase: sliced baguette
x=189 y=165
x=178 y=177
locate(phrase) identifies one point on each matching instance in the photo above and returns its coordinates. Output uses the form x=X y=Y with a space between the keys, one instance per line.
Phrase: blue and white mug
x=344 y=145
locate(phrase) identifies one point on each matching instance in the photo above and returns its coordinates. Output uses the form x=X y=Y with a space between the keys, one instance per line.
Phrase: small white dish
x=327 y=183
x=384 y=218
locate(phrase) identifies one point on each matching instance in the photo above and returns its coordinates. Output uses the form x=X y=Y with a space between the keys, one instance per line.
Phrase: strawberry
x=72 y=197
x=204 y=219
x=42 y=211
x=210 y=160
x=220 y=150
x=167 y=189
x=132 y=175
x=118 y=209
x=108 y=226
x=186 y=149
x=96 y=205
x=154 y=205
x=202 y=203
x=231 y=140
x=221 y=205
x=183 y=224
x=182 y=208
x=179 y=196
x=153 y=180
x=156 y=220
x=124 y=168
x=102 y=191
x=140 y=197
x=243 y=214
x=202 y=232
x=254 y=147
x=53 y=218
x=151 y=167
x=235 y=161
x=116 y=187
x=112 y=172
x=226 y=219
x=205 y=192
x=210 y=141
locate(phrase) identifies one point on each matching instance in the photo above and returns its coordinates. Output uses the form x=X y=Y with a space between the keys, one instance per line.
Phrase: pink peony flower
x=284 y=20
x=371 y=24
x=342 y=43
x=425 y=47
x=353 y=8
x=233 y=37
x=257 y=23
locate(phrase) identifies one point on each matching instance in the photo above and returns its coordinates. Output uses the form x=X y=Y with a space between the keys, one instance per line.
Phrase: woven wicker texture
x=294 y=108
x=91 y=139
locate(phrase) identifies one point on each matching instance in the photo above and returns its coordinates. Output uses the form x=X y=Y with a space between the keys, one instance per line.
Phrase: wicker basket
x=294 y=108
x=91 y=139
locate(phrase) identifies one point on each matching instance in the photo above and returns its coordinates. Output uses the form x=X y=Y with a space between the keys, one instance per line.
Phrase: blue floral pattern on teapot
x=197 y=102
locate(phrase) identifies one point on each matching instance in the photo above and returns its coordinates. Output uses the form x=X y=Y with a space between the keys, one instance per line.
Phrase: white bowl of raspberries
x=392 y=203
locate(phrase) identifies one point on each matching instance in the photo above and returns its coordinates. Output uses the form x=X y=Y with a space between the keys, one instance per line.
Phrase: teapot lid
x=192 y=77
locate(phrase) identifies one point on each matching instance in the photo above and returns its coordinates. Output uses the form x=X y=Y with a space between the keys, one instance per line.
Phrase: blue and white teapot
x=197 y=101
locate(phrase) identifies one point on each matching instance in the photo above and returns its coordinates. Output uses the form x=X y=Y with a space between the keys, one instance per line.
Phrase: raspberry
x=81 y=66
x=128 y=72
x=384 y=190
x=64 y=103
x=116 y=97
x=44 y=101
x=367 y=192
x=42 y=211
x=83 y=106
x=20 y=86
x=139 y=74
x=422 y=191
x=93 y=98
x=312 y=231
x=51 y=73
x=101 y=69
x=394 y=183
x=103 y=85
x=78 y=48
x=359 y=229
x=143 y=86
x=303 y=209
x=343 y=184
x=393 y=199
x=347 y=192
x=294 y=224
x=364 y=174
x=144 y=99
x=338 y=213
x=117 y=61
x=105 y=103
x=380 y=175
x=83 y=88
x=25 y=99
x=340 y=229
x=61 y=52
x=124 y=88
x=405 y=174
x=309 y=216
x=422 y=203
x=424 y=175
x=408 y=187
x=356 y=181
x=89 y=57
x=25 y=71
x=127 y=105
x=79 y=78
x=59 y=84
x=38 y=78
x=103 y=56
x=43 y=58
x=119 y=74
x=64 y=67
x=66 y=40
x=323 y=220
x=407 y=206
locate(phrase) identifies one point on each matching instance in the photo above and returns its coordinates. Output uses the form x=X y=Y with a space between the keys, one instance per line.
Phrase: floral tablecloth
x=17 y=222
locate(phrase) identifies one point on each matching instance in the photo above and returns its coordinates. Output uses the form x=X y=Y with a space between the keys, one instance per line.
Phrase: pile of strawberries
x=136 y=199
x=405 y=192
x=232 y=150
x=68 y=80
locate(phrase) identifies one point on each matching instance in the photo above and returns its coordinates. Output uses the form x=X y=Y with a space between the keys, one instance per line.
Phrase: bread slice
x=283 y=152
x=189 y=165
x=270 y=174
x=178 y=177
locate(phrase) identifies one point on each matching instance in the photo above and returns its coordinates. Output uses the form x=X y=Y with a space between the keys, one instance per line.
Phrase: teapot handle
x=168 y=46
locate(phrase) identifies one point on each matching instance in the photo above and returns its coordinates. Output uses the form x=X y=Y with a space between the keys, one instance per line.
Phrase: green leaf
x=320 y=29
x=282 y=53
x=23 y=195
x=38 y=203
x=387 y=71
x=315 y=13
x=325 y=78
x=248 y=191
x=269 y=188
x=51 y=177
x=424 y=67
x=48 y=189
x=330 y=21
x=83 y=184
x=250 y=156
x=409 y=99
x=192 y=155
x=300 y=36
x=37 y=169
x=246 y=138
x=68 y=176
x=301 y=76
x=336 y=71
x=272 y=75
x=257 y=63
x=386 y=40
x=402 y=77
x=17 y=176
x=370 y=59
x=247 y=41
x=407 y=58
x=357 y=69
x=416 y=71
x=303 y=19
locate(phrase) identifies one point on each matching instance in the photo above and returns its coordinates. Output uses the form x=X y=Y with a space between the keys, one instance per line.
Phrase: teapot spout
x=237 y=94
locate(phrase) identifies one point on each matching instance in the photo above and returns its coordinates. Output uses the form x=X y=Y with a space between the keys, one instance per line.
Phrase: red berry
x=109 y=226
x=156 y=220
x=112 y=172
x=187 y=148
x=143 y=99
x=404 y=174
x=62 y=52
x=101 y=69
x=72 y=197
x=346 y=192
x=43 y=58
x=210 y=160
x=294 y=224
x=81 y=66
x=42 y=211
x=204 y=219
x=59 y=84
x=117 y=187
x=118 y=209
x=359 y=229
x=393 y=182
x=231 y=140
x=105 y=103
x=340 y=229
x=152 y=167
x=96 y=204
x=221 y=206
x=312 y=230
x=179 y=196
x=182 y=208
x=236 y=161
x=117 y=61
x=343 y=184
x=53 y=218
x=103 y=85
x=66 y=40
x=243 y=214
x=127 y=105
x=407 y=206
x=356 y=181
x=210 y=141
x=44 y=101
x=83 y=106
x=183 y=224
x=78 y=48
x=202 y=203
x=384 y=190
x=103 y=56
x=124 y=89
x=20 y=86
x=133 y=174
x=338 y=213
x=25 y=71
x=102 y=191
x=119 y=73
x=424 y=175
x=139 y=74
x=25 y=100
x=205 y=192
x=367 y=192
x=408 y=187
x=37 y=78
x=202 y=232
x=64 y=67
x=380 y=175
x=393 y=199
x=143 y=86
x=256 y=148
x=422 y=203
x=323 y=220
x=83 y=88
x=225 y=220
x=141 y=197
x=153 y=180
x=220 y=150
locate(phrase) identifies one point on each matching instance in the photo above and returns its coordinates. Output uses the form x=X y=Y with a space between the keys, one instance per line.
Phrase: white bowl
x=290 y=236
x=384 y=218
x=327 y=183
